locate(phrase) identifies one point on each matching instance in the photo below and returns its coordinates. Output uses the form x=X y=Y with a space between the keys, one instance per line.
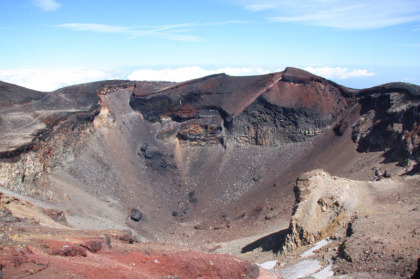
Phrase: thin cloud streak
x=171 y=32
x=260 y=7
x=355 y=14
x=47 y=5
x=132 y=32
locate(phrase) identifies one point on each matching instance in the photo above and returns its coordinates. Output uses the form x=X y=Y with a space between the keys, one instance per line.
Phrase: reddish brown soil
x=39 y=252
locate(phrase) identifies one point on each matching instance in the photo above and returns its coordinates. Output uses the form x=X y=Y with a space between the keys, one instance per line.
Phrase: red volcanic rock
x=92 y=245
x=138 y=261
x=65 y=249
x=127 y=237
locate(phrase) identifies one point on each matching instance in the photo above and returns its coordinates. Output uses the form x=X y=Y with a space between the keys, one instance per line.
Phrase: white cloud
x=47 y=5
x=51 y=79
x=346 y=14
x=339 y=72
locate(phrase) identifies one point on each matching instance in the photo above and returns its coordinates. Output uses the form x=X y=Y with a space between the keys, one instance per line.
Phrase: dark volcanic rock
x=156 y=159
x=152 y=152
x=390 y=122
x=136 y=215
x=340 y=128
x=7 y=217
x=192 y=198
x=144 y=147
x=393 y=87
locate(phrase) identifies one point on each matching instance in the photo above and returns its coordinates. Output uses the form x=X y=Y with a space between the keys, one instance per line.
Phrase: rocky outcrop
x=205 y=131
x=267 y=124
x=389 y=122
x=324 y=206
x=367 y=227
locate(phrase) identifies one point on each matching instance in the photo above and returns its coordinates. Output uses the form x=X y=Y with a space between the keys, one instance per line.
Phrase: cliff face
x=268 y=110
x=389 y=123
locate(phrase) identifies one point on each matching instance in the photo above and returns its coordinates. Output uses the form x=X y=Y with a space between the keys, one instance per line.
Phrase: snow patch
x=301 y=269
x=325 y=273
x=316 y=247
x=269 y=265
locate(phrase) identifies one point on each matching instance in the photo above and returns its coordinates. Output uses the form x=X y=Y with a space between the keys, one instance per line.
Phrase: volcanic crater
x=140 y=179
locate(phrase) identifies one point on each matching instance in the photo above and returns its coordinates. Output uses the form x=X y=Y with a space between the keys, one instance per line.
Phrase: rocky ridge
x=273 y=109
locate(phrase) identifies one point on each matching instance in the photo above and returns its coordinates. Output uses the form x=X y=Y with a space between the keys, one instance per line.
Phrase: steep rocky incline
x=389 y=123
x=28 y=116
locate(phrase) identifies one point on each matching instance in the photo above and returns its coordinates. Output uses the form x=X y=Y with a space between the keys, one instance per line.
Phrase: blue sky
x=47 y=44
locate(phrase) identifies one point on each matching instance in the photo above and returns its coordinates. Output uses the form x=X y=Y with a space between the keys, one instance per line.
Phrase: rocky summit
x=284 y=175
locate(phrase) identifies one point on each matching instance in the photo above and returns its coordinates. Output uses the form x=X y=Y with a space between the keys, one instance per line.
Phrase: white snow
x=301 y=269
x=325 y=273
x=269 y=265
x=317 y=246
